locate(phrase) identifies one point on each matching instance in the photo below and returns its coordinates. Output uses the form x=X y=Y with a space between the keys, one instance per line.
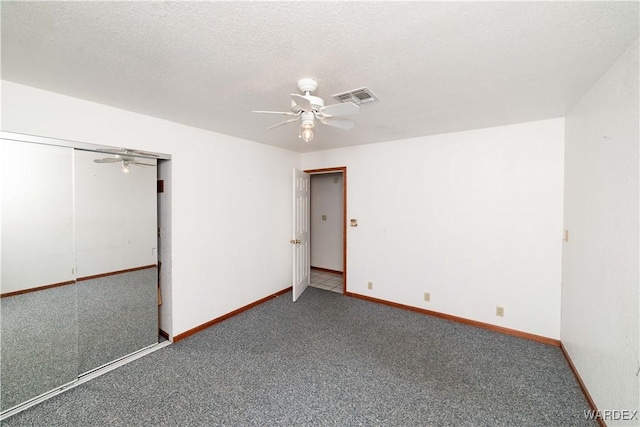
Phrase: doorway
x=329 y=228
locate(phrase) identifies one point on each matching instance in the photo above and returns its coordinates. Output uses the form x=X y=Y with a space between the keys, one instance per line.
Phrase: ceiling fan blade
x=338 y=122
x=284 y=123
x=302 y=101
x=343 y=109
x=125 y=151
x=286 y=113
x=141 y=153
x=108 y=160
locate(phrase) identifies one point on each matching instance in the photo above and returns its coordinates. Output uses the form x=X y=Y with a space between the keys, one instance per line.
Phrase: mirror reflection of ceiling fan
x=308 y=108
x=126 y=158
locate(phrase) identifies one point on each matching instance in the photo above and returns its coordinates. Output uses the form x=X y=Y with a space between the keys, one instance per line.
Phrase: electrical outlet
x=500 y=311
x=370 y=285
x=427 y=296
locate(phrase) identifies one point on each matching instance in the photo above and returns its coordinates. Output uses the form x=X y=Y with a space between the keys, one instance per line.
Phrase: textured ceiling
x=436 y=66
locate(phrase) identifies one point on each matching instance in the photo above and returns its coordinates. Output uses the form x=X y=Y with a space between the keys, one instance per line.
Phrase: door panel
x=300 y=242
x=116 y=257
x=38 y=331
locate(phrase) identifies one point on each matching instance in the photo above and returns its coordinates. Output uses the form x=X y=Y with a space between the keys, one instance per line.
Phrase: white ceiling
x=436 y=66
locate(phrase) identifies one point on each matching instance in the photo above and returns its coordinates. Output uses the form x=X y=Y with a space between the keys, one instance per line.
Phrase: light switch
x=324 y=217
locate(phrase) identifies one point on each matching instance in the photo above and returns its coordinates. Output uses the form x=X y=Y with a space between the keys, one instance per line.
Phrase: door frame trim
x=342 y=169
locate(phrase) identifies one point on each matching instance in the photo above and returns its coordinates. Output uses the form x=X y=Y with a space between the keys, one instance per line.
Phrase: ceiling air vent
x=357 y=96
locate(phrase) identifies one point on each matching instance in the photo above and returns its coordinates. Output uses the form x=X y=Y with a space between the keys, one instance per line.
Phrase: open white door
x=300 y=241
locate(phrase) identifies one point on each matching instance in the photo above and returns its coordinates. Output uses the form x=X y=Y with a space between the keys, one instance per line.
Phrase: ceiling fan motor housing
x=307 y=120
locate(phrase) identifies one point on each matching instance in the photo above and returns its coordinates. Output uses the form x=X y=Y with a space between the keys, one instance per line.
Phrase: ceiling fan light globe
x=307 y=134
x=125 y=167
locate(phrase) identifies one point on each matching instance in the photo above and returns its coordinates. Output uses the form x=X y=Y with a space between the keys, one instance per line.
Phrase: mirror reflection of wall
x=39 y=323
x=78 y=265
x=37 y=215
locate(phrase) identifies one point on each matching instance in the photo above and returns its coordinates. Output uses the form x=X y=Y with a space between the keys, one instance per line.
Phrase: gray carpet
x=37 y=351
x=329 y=360
x=117 y=315
x=49 y=337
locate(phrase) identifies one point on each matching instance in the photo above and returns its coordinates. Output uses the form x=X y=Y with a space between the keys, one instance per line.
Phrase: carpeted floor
x=329 y=360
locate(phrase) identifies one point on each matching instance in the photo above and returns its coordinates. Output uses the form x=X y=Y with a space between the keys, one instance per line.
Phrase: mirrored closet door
x=78 y=264
x=116 y=257
x=38 y=321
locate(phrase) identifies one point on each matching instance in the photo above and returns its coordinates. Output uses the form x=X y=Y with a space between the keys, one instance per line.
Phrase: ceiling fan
x=125 y=160
x=307 y=108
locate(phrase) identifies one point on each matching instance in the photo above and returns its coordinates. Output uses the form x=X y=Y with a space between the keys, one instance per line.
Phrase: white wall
x=231 y=198
x=326 y=234
x=474 y=218
x=600 y=298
